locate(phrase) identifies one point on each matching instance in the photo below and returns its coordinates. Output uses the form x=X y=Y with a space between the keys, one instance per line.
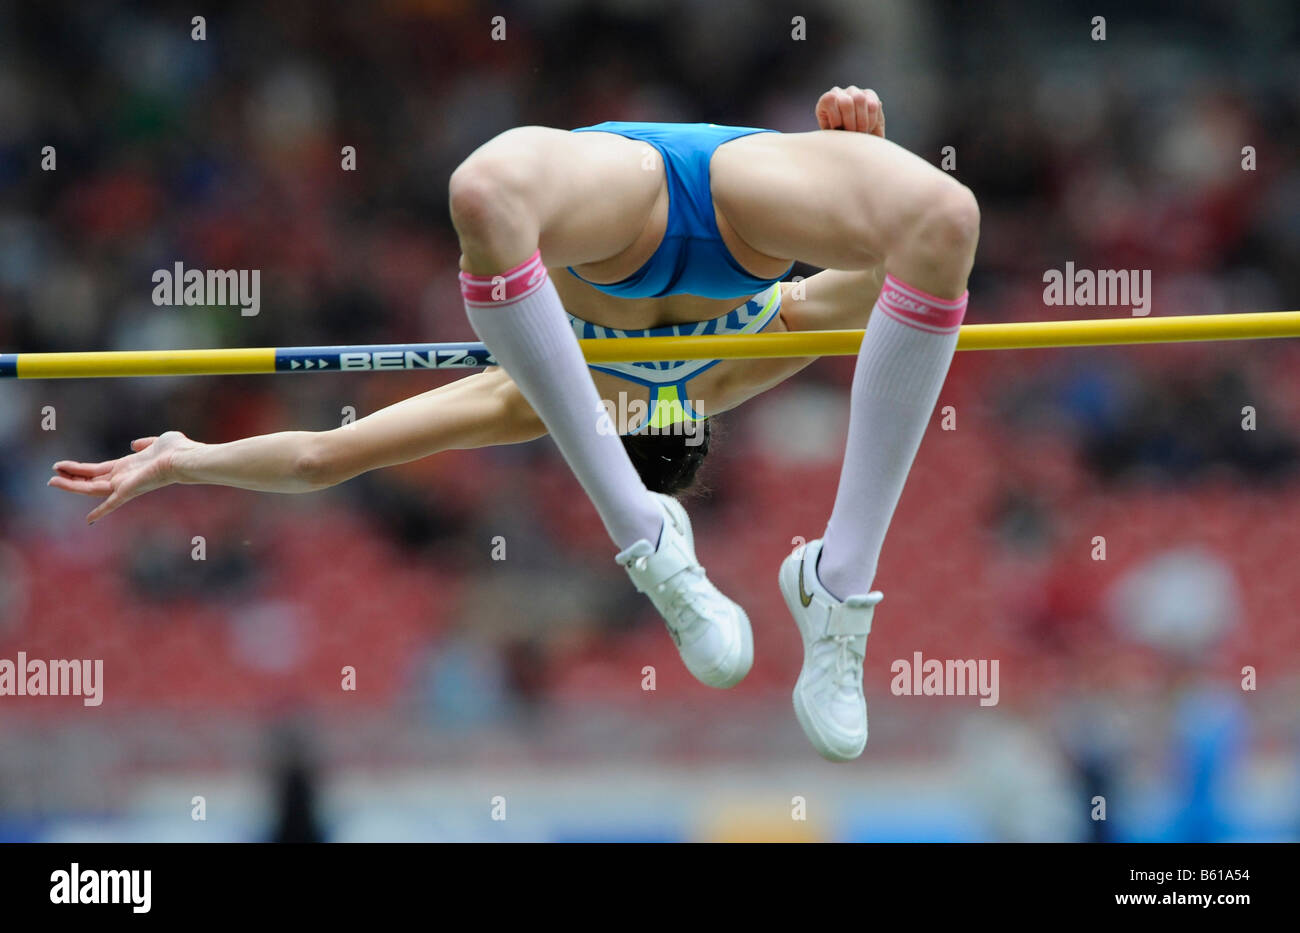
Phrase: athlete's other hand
x=119 y=481
x=851 y=109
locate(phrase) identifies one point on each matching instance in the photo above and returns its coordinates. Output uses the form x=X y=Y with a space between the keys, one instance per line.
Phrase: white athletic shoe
x=828 y=700
x=712 y=633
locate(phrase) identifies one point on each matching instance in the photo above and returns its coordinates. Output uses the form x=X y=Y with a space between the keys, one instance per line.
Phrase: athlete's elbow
x=317 y=464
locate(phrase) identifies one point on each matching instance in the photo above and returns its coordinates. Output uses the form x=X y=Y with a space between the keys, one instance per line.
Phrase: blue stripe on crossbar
x=8 y=365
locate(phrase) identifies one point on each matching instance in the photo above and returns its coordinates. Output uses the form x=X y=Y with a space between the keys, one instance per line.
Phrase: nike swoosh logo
x=804 y=596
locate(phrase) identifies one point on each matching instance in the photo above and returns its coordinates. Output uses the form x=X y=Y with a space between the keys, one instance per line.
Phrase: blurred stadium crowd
x=1120 y=677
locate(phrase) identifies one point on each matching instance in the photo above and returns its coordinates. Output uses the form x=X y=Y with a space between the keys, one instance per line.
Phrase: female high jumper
x=671 y=228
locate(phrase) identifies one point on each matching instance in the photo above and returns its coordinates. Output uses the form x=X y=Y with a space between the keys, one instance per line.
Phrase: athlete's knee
x=486 y=198
x=946 y=224
x=959 y=217
x=492 y=193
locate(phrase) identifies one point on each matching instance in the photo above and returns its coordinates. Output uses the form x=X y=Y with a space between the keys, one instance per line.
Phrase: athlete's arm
x=481 y=410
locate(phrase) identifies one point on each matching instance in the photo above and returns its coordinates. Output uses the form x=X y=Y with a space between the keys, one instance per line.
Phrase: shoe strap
x=642 y=548
x=849 y=620
x=660 y=565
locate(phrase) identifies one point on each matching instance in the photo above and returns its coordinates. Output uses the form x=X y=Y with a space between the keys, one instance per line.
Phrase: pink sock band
x=484 y=291
x=919 y=309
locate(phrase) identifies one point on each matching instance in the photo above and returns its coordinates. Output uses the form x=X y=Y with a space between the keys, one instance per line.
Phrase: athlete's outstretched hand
x=851 y=109
x=119 y=481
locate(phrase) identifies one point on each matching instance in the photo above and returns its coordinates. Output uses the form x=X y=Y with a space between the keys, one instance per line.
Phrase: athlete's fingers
x=848 y=118
x=75 y=468
x=861 y=108
x=85 y=487
x=140 y=443
x=819 y=111
x=869 y=111
x=827 y=111
x=876 y=114
x=79 y=477
x=111 y=504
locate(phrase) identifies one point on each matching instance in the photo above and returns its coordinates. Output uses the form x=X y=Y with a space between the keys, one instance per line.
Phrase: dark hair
x=665 y=460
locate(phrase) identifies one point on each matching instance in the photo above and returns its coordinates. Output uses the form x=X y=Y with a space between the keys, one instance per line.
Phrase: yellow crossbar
x=426 y=356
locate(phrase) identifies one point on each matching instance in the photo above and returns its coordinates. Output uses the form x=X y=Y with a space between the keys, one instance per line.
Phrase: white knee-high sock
x=904 y=359
x=518 y=315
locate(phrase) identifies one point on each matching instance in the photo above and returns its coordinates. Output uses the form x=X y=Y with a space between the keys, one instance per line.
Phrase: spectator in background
x=1183 y=602
x=294 y=778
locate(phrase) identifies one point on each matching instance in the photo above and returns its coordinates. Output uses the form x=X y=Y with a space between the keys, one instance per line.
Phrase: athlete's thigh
x=831 y=198
x=592 y=194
